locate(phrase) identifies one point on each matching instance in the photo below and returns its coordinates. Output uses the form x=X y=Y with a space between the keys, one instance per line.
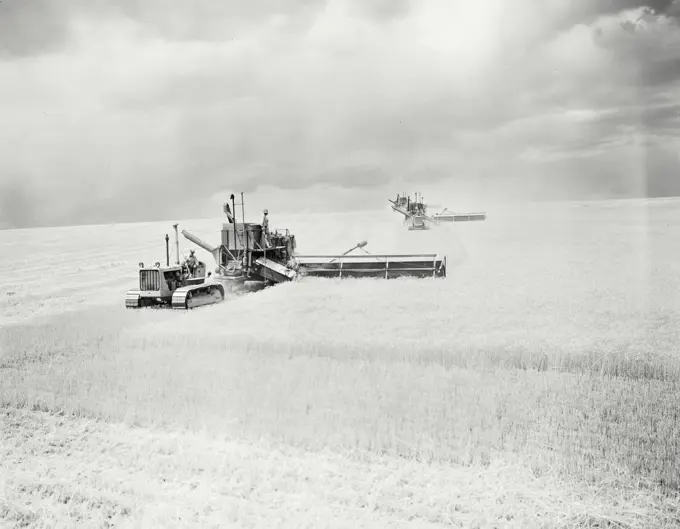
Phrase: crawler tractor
x=174 y=286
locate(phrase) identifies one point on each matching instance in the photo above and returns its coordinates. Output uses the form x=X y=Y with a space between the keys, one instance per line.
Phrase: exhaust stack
x=176 y=243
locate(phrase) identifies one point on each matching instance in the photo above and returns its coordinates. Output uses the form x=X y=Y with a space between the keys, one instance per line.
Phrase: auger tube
x=215 y=252
x=198 y=242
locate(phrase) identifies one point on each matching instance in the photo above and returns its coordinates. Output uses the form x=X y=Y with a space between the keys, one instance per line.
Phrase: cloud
x=30 y=27
x=138 y=109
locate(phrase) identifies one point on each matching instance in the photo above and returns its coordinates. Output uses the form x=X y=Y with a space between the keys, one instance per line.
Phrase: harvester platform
x=273 y=271
x=380 y=266
x=448 y=216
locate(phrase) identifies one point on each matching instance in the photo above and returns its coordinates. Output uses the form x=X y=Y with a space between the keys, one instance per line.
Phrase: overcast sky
x=116 y=110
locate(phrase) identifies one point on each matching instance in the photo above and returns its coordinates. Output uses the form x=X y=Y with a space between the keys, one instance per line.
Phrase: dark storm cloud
x=648 y=48
x=659 y=72
x=669 y=8
x=633 y=171
x=144 y=109
x=662 y=170
x=611 y=7
x=29 y=27
x=660 y=119
x=569 y=13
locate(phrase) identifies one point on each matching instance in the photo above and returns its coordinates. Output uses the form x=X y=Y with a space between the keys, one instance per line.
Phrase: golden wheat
x=541 y=395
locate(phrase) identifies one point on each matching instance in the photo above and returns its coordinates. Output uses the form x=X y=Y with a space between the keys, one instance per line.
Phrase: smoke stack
x=176 y=243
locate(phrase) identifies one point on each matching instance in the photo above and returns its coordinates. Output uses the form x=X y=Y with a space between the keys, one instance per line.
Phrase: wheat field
x=536 y=386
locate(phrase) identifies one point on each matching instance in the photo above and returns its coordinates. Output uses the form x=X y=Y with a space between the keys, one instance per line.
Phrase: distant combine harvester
x=416 y=217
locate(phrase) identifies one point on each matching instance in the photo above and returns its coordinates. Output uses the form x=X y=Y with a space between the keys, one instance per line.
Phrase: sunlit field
x=536 y=386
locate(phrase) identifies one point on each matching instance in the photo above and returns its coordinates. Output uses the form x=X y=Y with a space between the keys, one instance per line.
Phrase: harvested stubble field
x=537 y=386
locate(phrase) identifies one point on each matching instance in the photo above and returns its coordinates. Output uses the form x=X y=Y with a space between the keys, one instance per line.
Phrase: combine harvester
x=416 y=217
x=250 y=253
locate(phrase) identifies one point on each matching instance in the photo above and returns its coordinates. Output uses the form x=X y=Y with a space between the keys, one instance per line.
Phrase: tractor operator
x=191 y=262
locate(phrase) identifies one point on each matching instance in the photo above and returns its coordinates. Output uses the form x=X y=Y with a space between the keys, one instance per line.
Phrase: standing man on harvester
x=265 y=230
